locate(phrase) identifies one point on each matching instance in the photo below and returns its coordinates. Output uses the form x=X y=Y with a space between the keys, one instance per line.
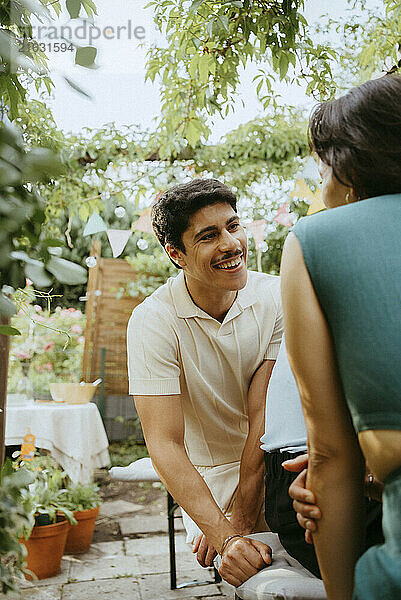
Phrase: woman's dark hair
x=359 y=136
x=173 y=211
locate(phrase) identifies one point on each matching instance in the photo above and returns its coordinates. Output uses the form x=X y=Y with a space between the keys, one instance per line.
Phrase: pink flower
x=48 y=367
x=76 y=329
x=22 y=355
x=48 y=346
x=81 y=339
x=40 y=319
x=37 y=308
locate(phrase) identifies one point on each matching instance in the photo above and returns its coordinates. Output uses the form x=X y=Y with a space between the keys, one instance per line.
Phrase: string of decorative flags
x=118 y=238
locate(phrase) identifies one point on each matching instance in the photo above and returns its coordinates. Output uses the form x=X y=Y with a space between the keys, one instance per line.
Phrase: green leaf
x=74 y=8
x=283 y=64
x=85 y=56
x=223 y=20
x=193 y=66
x=66 y=271
x=195 y=5
x=7 y=308
x=35 y=270
x=41 y=164
x=7 y=330
x=204 y=68
x=53 y=243
x=192 y=133
x=77 y=87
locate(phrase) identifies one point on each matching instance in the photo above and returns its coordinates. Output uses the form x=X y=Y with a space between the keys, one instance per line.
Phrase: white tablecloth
x=74 y=434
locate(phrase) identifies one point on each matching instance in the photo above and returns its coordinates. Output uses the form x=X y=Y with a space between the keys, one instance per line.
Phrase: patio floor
x=134 y=568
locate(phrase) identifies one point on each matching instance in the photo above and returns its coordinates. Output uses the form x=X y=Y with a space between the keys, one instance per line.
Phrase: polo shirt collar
x=186 y=308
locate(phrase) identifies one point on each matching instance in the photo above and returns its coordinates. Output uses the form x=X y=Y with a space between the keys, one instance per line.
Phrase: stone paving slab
x=160 y=563
x=115 y=508
x=102 y=550
x=112 y=589
x=157 y=587
x=155 y=544
x=50 y=592
x=146 y=524
x=106 y=568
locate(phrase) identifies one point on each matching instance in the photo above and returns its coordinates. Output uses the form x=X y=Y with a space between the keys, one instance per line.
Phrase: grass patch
x=124 y=452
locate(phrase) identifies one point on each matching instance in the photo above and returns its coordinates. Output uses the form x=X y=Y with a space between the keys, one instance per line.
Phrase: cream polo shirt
x=174 y=347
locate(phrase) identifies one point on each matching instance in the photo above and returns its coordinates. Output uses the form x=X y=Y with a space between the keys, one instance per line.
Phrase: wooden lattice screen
x=106 y=322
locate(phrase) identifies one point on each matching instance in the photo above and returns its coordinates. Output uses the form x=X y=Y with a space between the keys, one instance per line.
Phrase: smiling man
x=200 y=352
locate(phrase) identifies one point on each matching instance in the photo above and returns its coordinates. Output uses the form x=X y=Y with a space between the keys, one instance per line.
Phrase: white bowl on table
x=72 y=393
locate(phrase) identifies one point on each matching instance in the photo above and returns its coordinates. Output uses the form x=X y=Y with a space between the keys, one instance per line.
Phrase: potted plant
x=83 y=501
x=45 y=539
x=15 y=515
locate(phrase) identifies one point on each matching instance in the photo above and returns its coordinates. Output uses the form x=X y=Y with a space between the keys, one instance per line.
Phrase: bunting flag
x=302 y=190
x=144 y=223
x=118 y=239
x=283 y=216
x=311 y=170
x=257 y=228
x=317 y=203
x=95 y=224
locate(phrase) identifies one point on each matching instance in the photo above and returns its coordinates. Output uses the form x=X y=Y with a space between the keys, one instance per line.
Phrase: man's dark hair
x=172 y=213
x=359 y=136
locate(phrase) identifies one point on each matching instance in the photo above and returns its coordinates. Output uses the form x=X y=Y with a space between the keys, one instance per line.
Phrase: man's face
x=215 y=248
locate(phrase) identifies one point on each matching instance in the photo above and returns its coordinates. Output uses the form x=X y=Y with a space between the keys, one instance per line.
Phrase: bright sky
x=118 y=89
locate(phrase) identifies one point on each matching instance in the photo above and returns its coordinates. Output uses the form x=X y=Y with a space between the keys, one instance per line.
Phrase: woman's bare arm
x=336 y=465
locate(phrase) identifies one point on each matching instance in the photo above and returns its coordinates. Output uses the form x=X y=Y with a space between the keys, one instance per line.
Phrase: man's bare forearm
x=250 y=493
x=189 y=490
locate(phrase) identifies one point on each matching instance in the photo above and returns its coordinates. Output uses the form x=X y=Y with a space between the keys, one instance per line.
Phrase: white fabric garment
x=284 y=421
x=74 y=435
x=284 y=579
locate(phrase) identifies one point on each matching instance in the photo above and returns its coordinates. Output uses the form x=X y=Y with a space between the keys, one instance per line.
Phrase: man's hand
x=205 y=552
x=303 y=499
x=242 y=558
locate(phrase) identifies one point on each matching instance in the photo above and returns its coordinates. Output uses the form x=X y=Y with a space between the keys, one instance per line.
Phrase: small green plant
x=78 y=497
x=15 y=517
x=46 y=492
x=42 y=345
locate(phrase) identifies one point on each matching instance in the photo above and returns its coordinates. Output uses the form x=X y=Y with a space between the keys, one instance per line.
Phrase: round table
x=74 y=435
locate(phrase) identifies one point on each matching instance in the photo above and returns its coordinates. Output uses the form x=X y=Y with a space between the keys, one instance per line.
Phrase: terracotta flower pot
x=45 y=548
x=80 y=536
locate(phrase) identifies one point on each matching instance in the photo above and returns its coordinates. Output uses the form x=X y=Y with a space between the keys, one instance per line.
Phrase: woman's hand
x=303 y=499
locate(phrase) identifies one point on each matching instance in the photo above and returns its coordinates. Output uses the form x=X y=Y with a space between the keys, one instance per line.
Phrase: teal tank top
x=353 y=255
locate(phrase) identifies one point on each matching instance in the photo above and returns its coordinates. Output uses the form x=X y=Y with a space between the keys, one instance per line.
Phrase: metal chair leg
x=217 y=576
x=171 y=508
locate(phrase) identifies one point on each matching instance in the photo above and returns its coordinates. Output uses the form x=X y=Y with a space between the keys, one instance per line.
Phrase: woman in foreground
x=341 y=289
